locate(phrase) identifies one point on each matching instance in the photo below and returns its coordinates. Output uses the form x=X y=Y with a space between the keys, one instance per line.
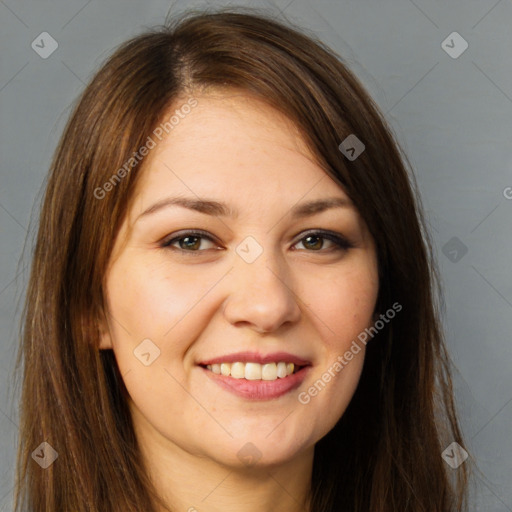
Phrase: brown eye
x=189 y=241
x=314 y=241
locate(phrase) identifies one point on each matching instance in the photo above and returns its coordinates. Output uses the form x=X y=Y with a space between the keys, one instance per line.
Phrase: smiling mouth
x=255 y=371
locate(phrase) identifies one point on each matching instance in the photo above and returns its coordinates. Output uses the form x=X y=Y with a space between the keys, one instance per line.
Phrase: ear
x=104 y=332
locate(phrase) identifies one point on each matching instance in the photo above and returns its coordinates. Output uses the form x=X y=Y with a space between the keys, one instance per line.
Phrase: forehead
x=227 y=143
x=233 y=124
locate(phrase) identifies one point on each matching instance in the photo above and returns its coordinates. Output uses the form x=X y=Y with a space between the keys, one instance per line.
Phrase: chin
x=259 y=451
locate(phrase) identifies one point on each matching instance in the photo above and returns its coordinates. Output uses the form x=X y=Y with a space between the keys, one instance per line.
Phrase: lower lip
x=259 y=389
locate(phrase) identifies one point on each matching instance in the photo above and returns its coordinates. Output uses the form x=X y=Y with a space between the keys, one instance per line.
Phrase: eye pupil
x=316 y=246
x=185 y=245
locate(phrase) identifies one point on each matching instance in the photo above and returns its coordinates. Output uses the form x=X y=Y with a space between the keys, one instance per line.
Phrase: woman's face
x=259 y=288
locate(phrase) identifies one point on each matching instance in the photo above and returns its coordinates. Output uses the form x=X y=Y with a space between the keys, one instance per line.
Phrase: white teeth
x=281 y=370
x=238 y=370
x=269 y=371
x=253 y=371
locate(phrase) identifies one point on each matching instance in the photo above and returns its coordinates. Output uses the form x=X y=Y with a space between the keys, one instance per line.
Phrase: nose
x=261 y=296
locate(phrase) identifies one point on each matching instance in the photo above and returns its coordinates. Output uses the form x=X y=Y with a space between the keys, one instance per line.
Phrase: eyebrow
x=216 y=208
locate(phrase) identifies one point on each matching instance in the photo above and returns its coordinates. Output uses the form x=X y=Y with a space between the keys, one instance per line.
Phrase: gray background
x=453 y=117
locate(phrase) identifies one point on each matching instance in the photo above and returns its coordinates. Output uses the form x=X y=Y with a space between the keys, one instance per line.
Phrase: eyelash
x=341 y=243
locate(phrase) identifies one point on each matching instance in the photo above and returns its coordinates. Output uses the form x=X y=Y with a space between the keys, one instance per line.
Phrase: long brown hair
x=384 y=454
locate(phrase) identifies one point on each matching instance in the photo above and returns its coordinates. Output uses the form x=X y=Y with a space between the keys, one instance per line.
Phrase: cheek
x=150 y=302
x=341 y=311
x=139 y=295
x=343 y=307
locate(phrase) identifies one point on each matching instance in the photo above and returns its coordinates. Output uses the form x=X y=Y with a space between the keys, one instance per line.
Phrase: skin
x=297 y=296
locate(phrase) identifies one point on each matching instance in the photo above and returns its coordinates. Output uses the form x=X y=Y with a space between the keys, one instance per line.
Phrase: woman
x=232 y=302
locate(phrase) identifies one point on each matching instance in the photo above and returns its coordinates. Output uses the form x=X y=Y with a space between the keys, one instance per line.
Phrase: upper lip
x=255 y=357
